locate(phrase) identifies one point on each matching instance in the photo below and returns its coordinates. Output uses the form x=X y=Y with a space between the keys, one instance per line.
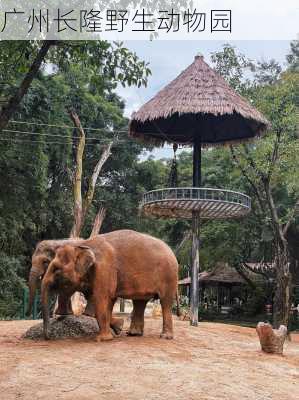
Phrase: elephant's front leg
x=167 y=331
x=103 y=316
x=137 y=318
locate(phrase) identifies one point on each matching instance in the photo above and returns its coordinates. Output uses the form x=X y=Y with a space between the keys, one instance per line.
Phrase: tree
x=81 y=207
x=293 y=56
x=10 y=107
x=266 y=167
x=105 y=60
x=36 y=163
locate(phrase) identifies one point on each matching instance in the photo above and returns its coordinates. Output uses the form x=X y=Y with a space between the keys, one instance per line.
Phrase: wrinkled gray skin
x=41 y=258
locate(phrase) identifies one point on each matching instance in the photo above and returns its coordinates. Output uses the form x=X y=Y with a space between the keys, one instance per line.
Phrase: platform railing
x=191 y=193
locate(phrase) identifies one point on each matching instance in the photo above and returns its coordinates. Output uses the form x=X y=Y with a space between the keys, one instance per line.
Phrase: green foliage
x=293 y=56
x=276 y=95
x=104 y=60
x=11 y=285
x=255 y=304
x=36 y=170
x=231 y=65
x=275 y=157
x=278 y=103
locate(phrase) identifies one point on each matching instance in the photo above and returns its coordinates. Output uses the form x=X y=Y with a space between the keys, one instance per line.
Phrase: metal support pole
x=194 y=296
x=197 y=162
x=195 y=268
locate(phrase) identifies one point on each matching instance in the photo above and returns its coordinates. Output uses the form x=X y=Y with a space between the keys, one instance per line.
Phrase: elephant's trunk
x=45 y=308
x=33 y=278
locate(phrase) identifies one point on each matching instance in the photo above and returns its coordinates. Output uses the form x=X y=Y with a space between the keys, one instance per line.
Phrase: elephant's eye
x=55 y=269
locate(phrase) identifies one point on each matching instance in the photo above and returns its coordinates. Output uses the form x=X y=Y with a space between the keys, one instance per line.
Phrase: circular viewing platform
x=181 y=202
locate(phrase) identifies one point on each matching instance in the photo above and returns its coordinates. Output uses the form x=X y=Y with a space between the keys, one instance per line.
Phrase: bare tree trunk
x=81 y=206
x=186 y=237
x=77 y=188
x=98 y=222
x=94 y=177
x=10 y=108
x=242 y=273
x=282 y=297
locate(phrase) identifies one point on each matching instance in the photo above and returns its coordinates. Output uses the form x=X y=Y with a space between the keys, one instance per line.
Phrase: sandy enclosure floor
x=213 y=361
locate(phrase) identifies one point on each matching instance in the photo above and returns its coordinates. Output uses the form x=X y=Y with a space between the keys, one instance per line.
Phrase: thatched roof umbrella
x=198 y=103
x=199 y=108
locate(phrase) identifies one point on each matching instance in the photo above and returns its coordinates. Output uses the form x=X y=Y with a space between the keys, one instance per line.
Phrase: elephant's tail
x=177 y=297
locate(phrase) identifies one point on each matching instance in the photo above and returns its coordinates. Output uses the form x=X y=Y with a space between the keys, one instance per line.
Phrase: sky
x=168 y=58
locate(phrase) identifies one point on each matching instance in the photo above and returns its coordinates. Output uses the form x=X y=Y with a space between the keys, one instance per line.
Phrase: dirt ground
x=213 y=361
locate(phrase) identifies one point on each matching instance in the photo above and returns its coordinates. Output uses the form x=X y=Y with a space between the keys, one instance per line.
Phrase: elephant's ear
x=85 y=258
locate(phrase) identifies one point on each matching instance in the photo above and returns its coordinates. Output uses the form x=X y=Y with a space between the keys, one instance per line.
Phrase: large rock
x=272 y=340
x=70 y=326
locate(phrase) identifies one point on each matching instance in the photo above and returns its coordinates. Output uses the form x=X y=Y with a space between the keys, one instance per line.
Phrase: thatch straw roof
x=222 y=273
x=198 y=102
x=225 y=274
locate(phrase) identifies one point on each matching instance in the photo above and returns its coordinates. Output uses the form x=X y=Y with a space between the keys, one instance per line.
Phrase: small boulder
x=70 y=326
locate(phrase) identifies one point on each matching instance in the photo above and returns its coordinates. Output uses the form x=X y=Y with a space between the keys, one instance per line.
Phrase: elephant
x=41 y=258
x=122 y=263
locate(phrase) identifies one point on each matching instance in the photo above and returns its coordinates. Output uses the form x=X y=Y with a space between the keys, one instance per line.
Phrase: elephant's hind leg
x=167 y=330
x=115 y=323
x=137 y=318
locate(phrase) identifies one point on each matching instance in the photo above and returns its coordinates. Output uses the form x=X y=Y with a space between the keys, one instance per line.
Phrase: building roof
x=222 y=273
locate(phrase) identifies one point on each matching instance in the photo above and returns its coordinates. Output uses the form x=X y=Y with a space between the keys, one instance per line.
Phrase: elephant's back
x=146 y=266
x=142 y=249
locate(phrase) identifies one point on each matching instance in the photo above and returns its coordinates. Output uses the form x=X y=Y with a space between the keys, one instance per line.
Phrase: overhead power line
x=66 y=126
x=98 y=140
x=116 y=144
x=41 y=141
x=56 y=135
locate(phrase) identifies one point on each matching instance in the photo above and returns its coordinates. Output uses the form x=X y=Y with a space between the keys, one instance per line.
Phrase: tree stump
x=271 y=340
x=157 y=310
x=185 y=315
